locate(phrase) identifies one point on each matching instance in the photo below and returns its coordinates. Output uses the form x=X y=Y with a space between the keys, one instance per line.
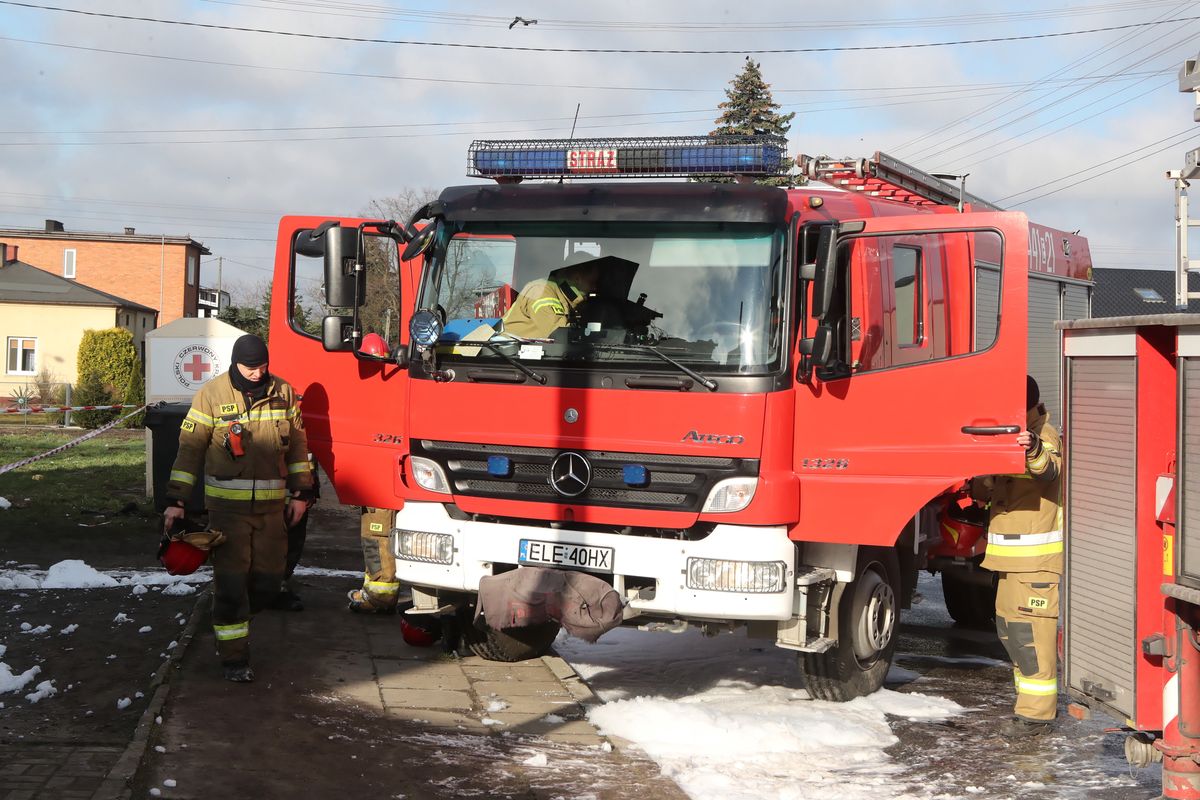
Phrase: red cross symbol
x=198 y=367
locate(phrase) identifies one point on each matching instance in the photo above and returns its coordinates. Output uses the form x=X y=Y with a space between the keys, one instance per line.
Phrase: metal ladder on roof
x=884 y=176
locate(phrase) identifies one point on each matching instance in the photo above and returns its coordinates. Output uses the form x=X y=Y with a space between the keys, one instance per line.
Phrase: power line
x=1172 y=143
x=594 y=50
x=512 y=83
x=367 y=11
x=972 y=116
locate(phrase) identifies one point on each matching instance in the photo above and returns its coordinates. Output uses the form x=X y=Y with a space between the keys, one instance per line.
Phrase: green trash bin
x=163 y=422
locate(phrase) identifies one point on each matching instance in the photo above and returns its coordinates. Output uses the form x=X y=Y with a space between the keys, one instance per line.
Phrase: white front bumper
x=478 y=546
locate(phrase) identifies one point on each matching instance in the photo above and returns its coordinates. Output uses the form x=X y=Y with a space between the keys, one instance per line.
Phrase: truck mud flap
x=583 y=604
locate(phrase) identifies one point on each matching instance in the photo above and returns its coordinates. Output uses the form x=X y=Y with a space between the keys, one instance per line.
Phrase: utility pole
x=220 y=264
x=1189 y=81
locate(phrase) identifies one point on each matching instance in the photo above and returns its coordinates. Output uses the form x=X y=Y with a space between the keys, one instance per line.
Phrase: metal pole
x=1181 y=239
x=67 y=402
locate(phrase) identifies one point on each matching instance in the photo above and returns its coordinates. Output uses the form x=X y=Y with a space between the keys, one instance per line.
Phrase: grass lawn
x=77 y=488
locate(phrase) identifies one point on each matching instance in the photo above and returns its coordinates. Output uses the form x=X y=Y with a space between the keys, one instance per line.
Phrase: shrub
x=107 y=362
x=91 y=392
x=134 y=394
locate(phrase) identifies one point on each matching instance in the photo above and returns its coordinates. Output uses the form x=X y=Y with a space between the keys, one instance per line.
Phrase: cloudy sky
x=215 y=117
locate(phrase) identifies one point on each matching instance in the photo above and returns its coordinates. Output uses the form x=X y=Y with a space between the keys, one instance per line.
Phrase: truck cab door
x=355 y=409
x=915 y=394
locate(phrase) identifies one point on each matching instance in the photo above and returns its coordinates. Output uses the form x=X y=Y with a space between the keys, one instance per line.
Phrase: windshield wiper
x=707 y=383
x=537 y=376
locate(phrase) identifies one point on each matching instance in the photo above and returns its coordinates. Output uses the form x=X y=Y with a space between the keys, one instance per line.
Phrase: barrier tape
x=89 y=435
x=57 y=409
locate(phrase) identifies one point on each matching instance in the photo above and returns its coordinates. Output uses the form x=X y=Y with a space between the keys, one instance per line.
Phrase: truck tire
x=970 y=604
x=868 y=615
x=510 y=644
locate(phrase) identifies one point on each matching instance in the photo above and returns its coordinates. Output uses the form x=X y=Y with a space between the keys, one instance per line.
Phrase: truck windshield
x=705 y=296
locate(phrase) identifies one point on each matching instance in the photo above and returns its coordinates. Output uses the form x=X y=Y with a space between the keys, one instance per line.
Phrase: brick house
x=43 y=317
x=153 y=270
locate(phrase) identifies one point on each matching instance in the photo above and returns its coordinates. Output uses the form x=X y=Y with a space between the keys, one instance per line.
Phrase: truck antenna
x=572 y=136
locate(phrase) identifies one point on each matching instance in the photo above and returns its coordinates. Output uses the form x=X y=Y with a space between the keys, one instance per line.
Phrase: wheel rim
x=874 y=610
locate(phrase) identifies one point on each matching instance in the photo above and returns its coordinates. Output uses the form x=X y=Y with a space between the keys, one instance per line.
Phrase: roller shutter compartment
x=1101 y=532
x=1044 y=306
x=1189 y=529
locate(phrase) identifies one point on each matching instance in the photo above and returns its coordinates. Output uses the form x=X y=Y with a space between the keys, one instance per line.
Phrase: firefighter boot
x=380 y=589
x=238 y=673
x=1021 y=728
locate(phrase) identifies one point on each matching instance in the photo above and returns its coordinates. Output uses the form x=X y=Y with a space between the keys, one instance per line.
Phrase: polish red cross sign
x=195 y=365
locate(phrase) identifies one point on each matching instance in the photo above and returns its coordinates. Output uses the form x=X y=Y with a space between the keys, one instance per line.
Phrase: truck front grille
x=675 y=483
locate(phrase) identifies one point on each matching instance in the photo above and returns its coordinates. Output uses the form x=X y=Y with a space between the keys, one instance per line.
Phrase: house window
x=69 y=264
x=191 y=269
x=22 y=355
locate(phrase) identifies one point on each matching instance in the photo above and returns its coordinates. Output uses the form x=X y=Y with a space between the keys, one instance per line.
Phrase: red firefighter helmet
x=374 y=345
x=181 y=558
x=419 y=631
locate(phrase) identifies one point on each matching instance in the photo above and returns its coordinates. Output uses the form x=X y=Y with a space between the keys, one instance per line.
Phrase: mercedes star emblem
x=571 y=415
x=570 y=474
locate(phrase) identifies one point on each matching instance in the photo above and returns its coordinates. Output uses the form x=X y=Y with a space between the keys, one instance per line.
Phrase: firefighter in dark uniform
x=244 y=438
x=380 y=590
x=1025 y=550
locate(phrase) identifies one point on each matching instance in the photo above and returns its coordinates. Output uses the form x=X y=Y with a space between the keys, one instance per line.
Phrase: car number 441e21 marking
x=558 y=554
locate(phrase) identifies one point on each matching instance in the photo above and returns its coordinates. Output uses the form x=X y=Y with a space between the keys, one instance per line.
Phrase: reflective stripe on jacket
x=1025 y=517
x=542 y=307
x=275 y=461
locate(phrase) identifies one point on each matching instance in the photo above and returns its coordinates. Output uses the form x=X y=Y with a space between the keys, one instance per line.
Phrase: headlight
x=749 y=577
x=731 y=494
x=428 y=475
x=435 y=548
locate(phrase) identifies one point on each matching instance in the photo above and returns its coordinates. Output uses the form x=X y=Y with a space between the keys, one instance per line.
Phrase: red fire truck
x=734 y=404
x=1131 y=611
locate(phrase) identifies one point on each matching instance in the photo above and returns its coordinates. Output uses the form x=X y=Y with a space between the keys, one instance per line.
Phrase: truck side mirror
x=337 y=333
x=419 y=243
x=345 y=274
x=823 y=272
x=819 y=348
x=309 y=244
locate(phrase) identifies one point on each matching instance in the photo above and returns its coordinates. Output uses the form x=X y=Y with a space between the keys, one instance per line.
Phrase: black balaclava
x=250 y=351
x=1032 y=394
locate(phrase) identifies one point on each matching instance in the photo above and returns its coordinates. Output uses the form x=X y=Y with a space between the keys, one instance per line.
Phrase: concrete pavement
x=342 y=707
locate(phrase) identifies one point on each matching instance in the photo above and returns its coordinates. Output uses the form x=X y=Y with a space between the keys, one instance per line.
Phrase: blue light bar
x=639 y=157
x=499 y=466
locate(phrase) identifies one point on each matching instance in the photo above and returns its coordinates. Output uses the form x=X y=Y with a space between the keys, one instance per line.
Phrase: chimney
x=129 y=231
x=54 y=226
x=8 y=253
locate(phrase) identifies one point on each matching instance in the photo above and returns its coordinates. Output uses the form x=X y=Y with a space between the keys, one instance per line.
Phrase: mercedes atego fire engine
x=735 y=404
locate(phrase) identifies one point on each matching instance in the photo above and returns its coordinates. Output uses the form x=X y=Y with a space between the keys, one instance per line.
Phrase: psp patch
x=228 y=408
x=187 y=425
x=1038 y=603
x=376 y=527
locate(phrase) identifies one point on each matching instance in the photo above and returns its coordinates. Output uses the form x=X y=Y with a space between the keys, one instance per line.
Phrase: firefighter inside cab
x=1025 y=550
x=547 y=304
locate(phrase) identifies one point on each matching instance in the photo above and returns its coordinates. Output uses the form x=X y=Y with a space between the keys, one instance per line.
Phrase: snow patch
x=536 y=760
x=124 y=703
x=42 y=691
x=5 y=504
x=11 y=682
x=178 y=589
x=69 y=629
x=75 y=574
x=145 y=629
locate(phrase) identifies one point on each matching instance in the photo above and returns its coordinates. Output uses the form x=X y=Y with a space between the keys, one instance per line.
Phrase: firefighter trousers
x=1027 y=622
x=247 y=571
x=380 y=587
